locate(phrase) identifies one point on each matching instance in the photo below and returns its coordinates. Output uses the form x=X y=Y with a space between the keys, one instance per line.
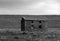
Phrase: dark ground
x=14 y=22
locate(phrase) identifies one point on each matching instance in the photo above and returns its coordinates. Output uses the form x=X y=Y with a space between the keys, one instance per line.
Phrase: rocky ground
x=14 y=22
x=33 y=36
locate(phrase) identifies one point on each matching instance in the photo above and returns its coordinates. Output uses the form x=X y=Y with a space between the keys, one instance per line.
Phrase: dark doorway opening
x=22 y=24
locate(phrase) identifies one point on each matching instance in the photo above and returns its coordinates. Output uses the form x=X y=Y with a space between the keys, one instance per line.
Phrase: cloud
x=35 y=7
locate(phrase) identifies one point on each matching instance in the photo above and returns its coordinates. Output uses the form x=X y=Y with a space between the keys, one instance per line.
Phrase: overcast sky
x=34 y=7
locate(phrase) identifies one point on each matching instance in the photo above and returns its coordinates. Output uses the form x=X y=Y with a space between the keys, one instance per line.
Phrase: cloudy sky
x=30 y=7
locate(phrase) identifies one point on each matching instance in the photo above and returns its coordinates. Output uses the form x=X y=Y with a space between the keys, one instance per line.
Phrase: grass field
x=13 y=23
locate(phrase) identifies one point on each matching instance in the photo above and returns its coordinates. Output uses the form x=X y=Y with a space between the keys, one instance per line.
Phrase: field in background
x=13 y=23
